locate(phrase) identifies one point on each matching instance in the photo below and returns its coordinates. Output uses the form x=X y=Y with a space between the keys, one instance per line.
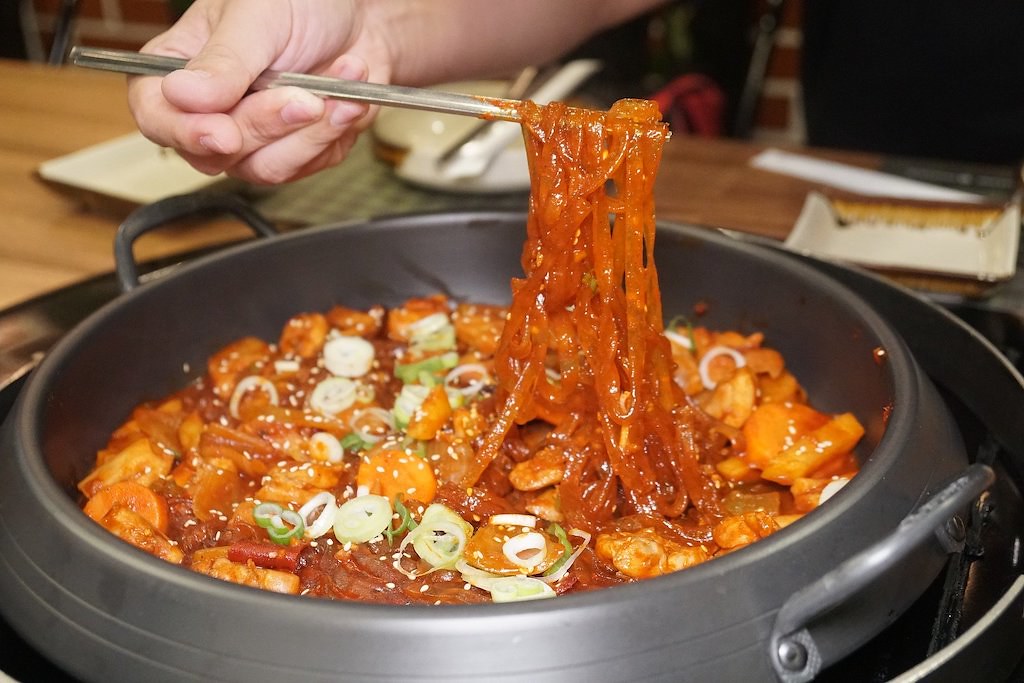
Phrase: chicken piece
x=132 y=527
x=354 y=323
x=235 y=361
x=214 y=562
x=297 y=482
x=138 y=462
x=645 y=553
x=732 y=401
x=740 y=530
x=546 y=505
x=479 y=326
x=304 y=335
x=399 y=319
x=545 y=468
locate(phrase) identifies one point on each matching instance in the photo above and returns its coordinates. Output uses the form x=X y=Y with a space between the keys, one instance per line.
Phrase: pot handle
x=163 y=211
x=792 y=650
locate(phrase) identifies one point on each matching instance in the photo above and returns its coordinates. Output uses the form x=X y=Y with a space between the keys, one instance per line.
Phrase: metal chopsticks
x=137 y=63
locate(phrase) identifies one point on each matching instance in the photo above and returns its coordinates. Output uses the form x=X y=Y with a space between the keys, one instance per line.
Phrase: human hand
x=265 y=137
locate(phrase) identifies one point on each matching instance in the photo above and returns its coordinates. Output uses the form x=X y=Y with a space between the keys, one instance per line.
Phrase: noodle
x=589 y=307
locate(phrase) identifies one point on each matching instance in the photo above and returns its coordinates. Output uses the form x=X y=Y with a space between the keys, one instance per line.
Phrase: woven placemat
x=364 y=187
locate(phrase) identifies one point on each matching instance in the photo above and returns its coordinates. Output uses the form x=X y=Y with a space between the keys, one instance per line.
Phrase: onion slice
x=474 y=375
x=513 y=519
x=679 y=339
x=713 y=353
x=367 y=424
x=325 y=446
x=247 y=384
x=526 y=550
x=555 y=576
x=328 y=506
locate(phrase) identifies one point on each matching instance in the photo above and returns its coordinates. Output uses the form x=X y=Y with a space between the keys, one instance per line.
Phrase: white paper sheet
x=854 y=179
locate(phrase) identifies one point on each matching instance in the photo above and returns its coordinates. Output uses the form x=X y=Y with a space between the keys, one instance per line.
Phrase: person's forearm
x=443 y=40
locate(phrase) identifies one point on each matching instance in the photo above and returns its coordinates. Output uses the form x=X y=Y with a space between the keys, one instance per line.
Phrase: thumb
x=241 y=46
x=209 y=84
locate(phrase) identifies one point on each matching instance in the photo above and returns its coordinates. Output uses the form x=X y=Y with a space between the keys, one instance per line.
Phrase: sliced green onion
x=714 y=352
x=590 y=280
x=285 y=527
x=518 y=588
x=333 y=395
x=679 y=339
x=354 y=442
x=264 y=513
x=427 y=368
x=406 y=522
x=432 y=333
x=362 y=518
x=408 y=400
x=440 y=538
x=558 y=532
x=474 y=575
x=346 y=356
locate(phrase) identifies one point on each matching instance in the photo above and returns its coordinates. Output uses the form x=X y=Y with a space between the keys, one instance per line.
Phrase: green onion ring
x=265 y=513
x=281 y=533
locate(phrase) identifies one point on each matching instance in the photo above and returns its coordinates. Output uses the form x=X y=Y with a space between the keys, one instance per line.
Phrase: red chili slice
x=265 y=555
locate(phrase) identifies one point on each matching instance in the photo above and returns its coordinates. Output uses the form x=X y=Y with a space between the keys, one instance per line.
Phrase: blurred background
x=723 y=67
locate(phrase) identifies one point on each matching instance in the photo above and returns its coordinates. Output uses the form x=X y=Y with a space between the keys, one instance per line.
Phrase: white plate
x=128 y=168
x=424 y=136
x=983 y=253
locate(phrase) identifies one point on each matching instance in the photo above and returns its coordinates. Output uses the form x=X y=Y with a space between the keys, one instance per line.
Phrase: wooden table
x=49 y=239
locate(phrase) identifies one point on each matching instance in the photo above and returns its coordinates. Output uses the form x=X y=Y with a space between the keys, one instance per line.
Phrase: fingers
x=283 y=135
x=205 y=113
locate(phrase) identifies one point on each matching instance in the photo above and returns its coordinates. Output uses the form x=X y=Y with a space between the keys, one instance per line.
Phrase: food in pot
x=331 y=463
x=449 y=452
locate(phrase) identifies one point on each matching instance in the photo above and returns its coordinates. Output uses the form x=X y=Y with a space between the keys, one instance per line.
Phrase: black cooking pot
x=781 y=608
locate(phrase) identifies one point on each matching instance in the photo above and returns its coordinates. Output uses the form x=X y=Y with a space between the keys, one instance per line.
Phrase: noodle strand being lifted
x=589 y=309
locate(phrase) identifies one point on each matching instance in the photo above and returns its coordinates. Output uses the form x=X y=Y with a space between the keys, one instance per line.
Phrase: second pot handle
x=792 y=650
x=161 y=212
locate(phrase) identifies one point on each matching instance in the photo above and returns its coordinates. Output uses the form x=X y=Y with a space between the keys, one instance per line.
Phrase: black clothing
x=926 y=78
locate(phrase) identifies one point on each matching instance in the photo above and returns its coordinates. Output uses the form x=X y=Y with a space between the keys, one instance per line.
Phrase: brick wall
x=125 y=24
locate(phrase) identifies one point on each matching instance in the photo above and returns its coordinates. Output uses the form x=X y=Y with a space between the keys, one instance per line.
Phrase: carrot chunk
x=388 y=472
x=149 y=505
x=835 y=438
